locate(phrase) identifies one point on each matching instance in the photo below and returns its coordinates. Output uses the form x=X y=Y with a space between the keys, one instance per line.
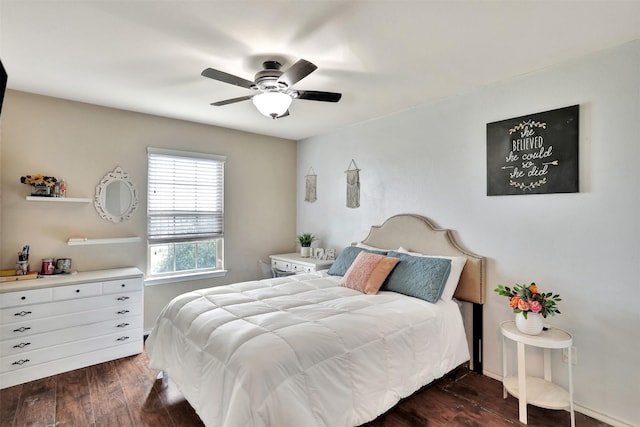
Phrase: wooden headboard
x=418 y=234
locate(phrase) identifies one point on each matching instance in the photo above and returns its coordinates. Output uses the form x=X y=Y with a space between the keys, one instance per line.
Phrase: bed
x=314 y=350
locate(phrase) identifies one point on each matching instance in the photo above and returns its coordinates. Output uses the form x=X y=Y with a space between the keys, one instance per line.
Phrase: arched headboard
x=418 y=234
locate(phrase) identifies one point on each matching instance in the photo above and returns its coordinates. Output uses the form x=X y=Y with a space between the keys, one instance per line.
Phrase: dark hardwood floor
x=125 y=393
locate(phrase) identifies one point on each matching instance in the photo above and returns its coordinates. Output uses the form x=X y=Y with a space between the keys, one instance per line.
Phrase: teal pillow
x=346 y=258
x=418 y=277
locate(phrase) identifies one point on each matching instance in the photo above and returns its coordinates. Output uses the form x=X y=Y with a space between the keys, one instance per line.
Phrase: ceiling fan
x=273 y=87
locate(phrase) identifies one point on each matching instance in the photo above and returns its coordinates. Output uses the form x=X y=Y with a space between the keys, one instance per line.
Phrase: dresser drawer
x=77 y=291
x=43 y=355
x=123 y=285
x=37 y=326
x=281 y=265
x=292 y=267
x=34 y=296
x=34 y=342
x=38 y=311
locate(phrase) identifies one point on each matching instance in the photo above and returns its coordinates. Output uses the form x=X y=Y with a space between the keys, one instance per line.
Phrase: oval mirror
x=116 y=197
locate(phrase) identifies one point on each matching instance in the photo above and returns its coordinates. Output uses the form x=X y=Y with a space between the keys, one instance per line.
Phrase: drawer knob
x=20 y=362
x=122 y=338
x=123 y=325
x=123 y=285
x=122 y=298
x=22 y=313
x=22 y=345
x=22 y=329
x=77 y=291
x=123 y=311
x=23 y=298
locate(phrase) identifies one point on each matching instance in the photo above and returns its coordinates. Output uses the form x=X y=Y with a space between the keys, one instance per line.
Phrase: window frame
x=217 y=238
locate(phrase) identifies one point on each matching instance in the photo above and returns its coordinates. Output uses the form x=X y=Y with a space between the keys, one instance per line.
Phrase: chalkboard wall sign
x=534 y=154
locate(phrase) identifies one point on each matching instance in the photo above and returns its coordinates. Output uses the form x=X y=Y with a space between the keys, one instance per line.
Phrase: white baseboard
x=578 y=408
x=600 y=416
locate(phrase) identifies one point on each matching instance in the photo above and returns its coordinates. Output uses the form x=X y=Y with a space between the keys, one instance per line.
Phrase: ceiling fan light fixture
x=272 y=104
x=272 y=87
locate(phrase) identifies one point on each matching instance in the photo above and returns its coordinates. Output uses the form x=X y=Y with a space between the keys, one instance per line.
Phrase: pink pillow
x=368 y=271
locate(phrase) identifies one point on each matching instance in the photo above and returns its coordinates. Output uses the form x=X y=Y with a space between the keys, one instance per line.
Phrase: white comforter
x=302 y=351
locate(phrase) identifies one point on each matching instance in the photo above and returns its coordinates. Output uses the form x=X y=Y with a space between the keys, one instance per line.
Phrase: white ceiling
x=383 y=56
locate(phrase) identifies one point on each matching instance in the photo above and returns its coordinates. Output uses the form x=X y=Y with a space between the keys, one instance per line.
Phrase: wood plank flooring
x=125 y=393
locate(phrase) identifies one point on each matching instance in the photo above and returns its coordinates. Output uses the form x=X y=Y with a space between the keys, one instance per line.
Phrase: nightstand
x=296 y=264
x=541 y=392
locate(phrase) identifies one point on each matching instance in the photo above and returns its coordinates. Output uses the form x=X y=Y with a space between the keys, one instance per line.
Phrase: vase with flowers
x=530 y=306
x=41 y=185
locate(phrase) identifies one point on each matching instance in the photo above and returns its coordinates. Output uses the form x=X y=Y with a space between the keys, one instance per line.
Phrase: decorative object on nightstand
x=529 y=305
x=530 y=325
x=541 y=392
x=305 y=240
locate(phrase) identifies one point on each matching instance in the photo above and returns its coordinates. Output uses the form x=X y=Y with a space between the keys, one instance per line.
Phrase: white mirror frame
x=100 y=200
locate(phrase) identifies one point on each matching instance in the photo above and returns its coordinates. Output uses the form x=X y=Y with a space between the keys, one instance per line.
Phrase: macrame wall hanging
x=353 y=185
x=310 y=186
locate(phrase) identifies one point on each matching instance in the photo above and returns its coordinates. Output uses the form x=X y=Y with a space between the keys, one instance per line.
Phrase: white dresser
x=61 y=323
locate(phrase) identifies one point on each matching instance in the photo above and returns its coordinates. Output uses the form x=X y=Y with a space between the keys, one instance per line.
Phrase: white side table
x=541 y=392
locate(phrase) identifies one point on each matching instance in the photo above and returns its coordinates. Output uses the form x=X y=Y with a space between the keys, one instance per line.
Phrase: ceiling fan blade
x=314 y=95
x=231 y=101
x=297 y=72
x=227 y=78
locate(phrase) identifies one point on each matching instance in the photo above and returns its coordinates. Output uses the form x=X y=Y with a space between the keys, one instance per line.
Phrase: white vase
x=532 y=325
x=305 y=251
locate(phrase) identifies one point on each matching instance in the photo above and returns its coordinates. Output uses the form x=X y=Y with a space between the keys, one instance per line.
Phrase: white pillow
x=457 y=264
x=370 y=248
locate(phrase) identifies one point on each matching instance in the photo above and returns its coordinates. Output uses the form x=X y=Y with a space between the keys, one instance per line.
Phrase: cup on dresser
x=63 y=265
x=47 y=266
x=22 y=268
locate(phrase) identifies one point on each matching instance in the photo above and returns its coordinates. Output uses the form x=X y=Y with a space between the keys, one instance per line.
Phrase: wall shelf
x=105 y=241
x=59 y=199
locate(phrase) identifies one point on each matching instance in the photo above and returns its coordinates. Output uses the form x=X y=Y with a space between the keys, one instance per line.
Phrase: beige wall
x=81 y=142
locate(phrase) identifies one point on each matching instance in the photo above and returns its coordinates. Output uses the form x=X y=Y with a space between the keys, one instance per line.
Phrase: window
x=185 y=215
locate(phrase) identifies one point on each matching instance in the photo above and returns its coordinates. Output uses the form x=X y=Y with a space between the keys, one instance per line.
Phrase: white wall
x=431 y=161
x=82 y=142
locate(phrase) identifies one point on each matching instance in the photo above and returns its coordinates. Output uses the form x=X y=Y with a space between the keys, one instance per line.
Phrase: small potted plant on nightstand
x=305 y=240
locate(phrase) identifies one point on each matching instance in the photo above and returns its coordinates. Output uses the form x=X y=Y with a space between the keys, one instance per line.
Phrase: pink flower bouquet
x=524 y=299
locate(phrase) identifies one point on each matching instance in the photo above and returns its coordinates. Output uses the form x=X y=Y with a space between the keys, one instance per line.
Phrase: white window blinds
x=185 y=195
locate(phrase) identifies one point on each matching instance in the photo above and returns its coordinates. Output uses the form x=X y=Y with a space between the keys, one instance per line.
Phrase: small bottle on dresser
x=63 y=188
